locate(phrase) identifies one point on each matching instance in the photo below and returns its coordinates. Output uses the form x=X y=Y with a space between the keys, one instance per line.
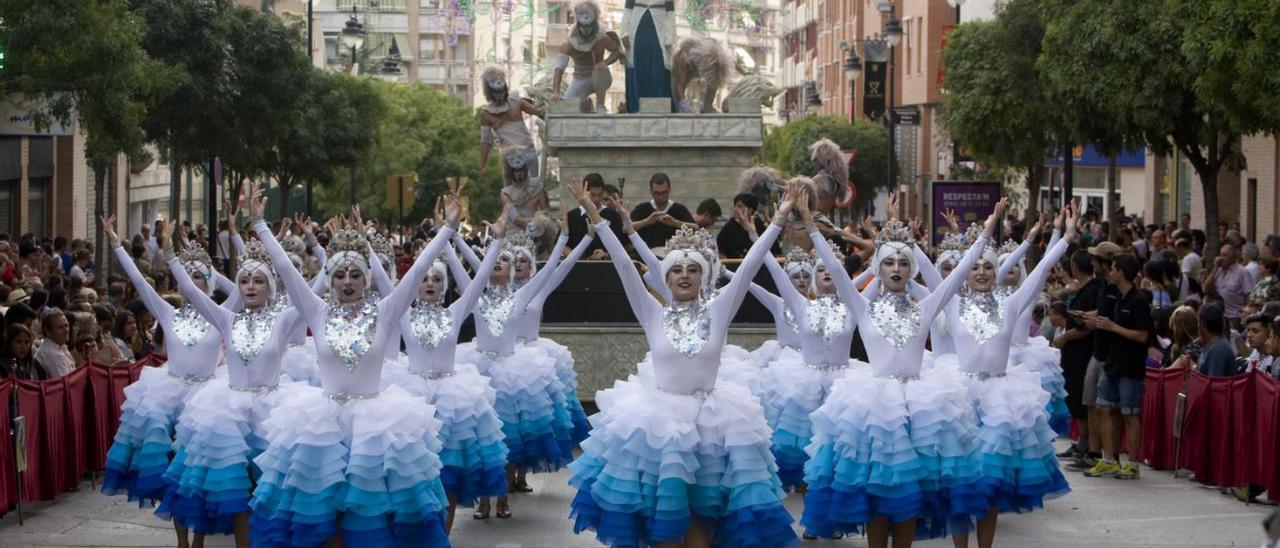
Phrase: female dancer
x=222 y=429
x=678 y=458
x=796 y=386
x=1015 y=440
x=349 y=456
x=530 y=397
x=474 y=456
x=894 y=445
x=528 y=322
x=142 y=448
x=1035 y=353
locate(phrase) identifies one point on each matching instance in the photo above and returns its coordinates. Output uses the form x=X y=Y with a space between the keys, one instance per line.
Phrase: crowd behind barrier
x=68 y=424
x=1230 y=435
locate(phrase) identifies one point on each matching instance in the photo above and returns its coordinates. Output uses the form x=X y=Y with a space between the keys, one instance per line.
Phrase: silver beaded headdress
x=817 y=259
x=383 y=249
x=517 y=242
x=195 y=260
x=253 y=259
x=951 y=249
x=696 y=246
x=895 y=238
x=798 y=261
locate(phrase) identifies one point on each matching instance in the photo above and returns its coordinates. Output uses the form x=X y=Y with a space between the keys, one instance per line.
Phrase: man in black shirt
x=577 y=219
x=1102 y=255
x=1076 y=344
x=656 y=220
x=738 y=233
x=1120 y=387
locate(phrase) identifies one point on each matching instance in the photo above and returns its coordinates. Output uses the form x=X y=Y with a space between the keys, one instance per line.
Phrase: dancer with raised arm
x=474 y=455
x=222 y=428
x=350 y=462
x=677 y=458
x=1015 y=439
x=531 y=400
x=794 y=387
x=894 y=450
x=143 y=445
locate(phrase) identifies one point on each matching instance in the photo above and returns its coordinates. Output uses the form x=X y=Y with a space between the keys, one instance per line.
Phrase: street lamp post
x=353 y=37
x=852 y=70
x=955 y=145
x=892 y=35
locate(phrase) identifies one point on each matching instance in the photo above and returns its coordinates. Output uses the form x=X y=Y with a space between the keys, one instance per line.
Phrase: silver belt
x=190 y=379
x=699 y=393
x=495 y=356
x=344 y=399
x=982 y=375
x=900 y=378
x=256 y=389
x=827 y=368
x=437 y=375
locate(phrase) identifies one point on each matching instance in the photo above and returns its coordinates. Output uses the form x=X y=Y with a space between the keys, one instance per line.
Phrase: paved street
x=1157 y=510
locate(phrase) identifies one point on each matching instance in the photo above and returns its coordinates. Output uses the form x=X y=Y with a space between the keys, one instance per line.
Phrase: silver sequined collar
x=826 y=316
x=688 y=326
x=897 y=318
x=495 y=308
x=981 y=314
x=349 y=330
x=189 y=326
x=429 y=323
x=250 y=330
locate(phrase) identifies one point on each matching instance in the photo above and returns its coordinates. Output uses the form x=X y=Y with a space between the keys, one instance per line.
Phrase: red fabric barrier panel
x=1159 y=410
x=8 y=476
x=43 y=478
x=1195 y=427
x=1236 y=458
x=75 y=387
x=106 y=390
x=1265 y=446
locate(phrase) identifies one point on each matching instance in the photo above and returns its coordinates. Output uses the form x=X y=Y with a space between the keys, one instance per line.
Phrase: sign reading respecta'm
x=972 y=201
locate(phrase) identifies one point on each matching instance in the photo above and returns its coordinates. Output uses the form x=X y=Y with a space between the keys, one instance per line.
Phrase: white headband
x=950 y=255
x=1022 y=264
x=803 y=267
x=203 y=269
x=886 y=250
x=680 y=256
x=990 y=255
x=438 y=267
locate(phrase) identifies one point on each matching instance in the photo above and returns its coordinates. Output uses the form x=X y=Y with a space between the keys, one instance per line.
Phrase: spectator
x=1120 y=386
x=577 y=221
x=145 y=321
x=739 y=232
x=1218 y=357
x=16 y=359
x=64 y=256
x=223 y=253
x=707 y=214
x=1257 y=332
x=117 y=296
x=1250 y=253
x=656 y=220
x=1154 y=282
x=1188 y=259
x=82 y=268
x=1273 y=347
x=1232 y=282
x=1184 y=326
x=53 y=355
x=1080 y=368
x=128 y=338
x=20 y=314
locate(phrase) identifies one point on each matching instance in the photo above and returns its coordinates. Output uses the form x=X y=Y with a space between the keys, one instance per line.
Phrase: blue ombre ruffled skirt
x=143 y=445
x=792 y=391
x=1046 y=362
x=373 y=461
x=569 y=378
x=1014 y=440
x=474 y=455
x=536 y=423
x=656 y=462
x=885 y=448
x=212 y=474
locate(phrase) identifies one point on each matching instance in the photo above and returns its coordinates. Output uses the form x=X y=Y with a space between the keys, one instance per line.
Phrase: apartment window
x=37 y=206
x=429 y=4
x=430 y=48
x=372 y=5
x=8 y=206
x=919 y=45
x=906 y=41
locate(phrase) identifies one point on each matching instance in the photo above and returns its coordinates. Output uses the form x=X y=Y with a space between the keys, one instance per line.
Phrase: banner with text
x=972 y=201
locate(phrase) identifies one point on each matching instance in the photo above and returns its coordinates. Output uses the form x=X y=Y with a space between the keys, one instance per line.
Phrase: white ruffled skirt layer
x=1045 y=361
x=770 y=351
x=655 y=461
x=473 y=454
x=143 y=445
x=792 y=391
x=897 y=449
x=219 y=434
x=299 y=364
x=531 y=403
x=373 y=462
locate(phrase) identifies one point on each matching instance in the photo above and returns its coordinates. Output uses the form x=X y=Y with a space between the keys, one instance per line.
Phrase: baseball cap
x=1106 y=250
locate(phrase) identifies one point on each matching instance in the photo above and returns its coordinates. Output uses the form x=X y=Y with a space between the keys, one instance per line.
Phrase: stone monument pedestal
x=702 y=153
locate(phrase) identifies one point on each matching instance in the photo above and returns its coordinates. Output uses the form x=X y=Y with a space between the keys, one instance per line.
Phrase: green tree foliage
x=423 y=131
x=996 y=98
x=1235 y=46
x=82 y=62
x=786 y=149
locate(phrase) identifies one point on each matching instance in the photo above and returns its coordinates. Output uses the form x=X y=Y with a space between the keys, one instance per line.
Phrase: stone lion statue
x=707 y=61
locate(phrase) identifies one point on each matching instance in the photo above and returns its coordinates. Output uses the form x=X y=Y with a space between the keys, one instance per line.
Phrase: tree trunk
x=1111 y=204
x=175 y=185
x=285 y=184
x=99 y=209
x=1034 y=172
